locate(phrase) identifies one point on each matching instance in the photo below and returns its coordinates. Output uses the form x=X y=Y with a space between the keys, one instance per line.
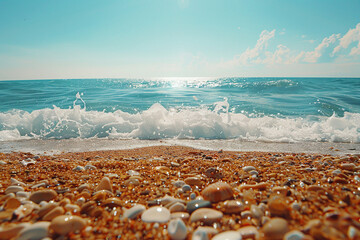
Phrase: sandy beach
x=176 y=192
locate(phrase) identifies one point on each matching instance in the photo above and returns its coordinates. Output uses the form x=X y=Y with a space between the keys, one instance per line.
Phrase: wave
x=158 y=122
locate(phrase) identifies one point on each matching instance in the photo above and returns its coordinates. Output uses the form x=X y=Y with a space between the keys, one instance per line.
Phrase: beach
x=179 y=192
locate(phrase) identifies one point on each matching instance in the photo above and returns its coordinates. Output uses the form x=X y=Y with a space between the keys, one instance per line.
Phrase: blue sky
x=178 y=38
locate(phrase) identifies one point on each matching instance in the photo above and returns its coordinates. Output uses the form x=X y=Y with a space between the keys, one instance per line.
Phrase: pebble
x=133 y=182
x=15 y=182
x=66 y=224
x=256 y=212
x=199 y=235
x=182 y=215
x=133 y=173
x=43 y=195
x=105 y=184
x=90 y=167
x=196 y=204
x=193 y=181
x=233 y=206
x=186 y=188
x=112 y=202
x=79 y=168
x=177 y=207
x=348 y=166
x=275 y=229
x=10 y=231
x=57 y=211
x=133 y=212
x=192 y=196
x=248 y=168
x=213 y=173
x=27 y=162
x=249 y=232
x=228 y=235
x=2 y=163
x=156 y=214
x=36 y=231
x=177 y=229
x=11 y=203
x=206 y=215
x=294 y=235
x=13 y=189
x=278 y=207
x=217 y=192
x=178 y=183
x=259 y=186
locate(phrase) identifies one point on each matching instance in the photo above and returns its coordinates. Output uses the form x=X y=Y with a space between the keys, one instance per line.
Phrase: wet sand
x=262 y=195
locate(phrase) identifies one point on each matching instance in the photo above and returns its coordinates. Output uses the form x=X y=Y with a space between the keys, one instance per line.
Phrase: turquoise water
x=268 y=109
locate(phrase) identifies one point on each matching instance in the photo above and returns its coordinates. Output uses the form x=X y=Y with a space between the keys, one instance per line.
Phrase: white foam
x=187 y=123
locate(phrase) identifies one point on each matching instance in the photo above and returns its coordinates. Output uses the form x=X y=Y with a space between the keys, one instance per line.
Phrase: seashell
x=10 y=231
x=249 y=232
x=112 y=202
x=66 y=224
x=248 y=168
x=156 y=214
x=275 y=229
x=233 y=206
x=177 y=229
x=43 y=195
x=37 y=230
x=206 y=215
x=217 y=192
x=193 y=181
x=15 y=182
x=105 y=184
x=182 y=215
x=133 y=212
x=13 y=189
x=228 y=235
x=57 y=211
x=177 y=207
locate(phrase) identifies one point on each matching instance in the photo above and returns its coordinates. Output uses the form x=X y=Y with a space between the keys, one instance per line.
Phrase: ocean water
x=250 y=109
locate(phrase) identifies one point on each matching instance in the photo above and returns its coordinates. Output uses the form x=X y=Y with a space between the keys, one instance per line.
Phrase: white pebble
x=177 y=229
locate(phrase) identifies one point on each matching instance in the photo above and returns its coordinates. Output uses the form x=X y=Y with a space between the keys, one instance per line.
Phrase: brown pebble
x=259 y=186
x=206 y=215
x=105 y=184
x=340 y=180
x=193 y=181
x=112 y=202
x=66 y=224
x=233 y=206
x=46 y=209
x=12 y=203
x=217 y=192
x=278 y=207
x=57 y=211
x=275 y=229
x=43 y=195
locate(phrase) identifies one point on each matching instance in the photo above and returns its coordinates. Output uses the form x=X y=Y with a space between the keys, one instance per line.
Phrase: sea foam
x=157 y=122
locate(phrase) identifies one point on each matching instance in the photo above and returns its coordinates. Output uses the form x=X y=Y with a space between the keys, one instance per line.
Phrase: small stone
x=10 y=231
x=156 y=214
x=66 y=224
x=133 y=173
x=133 y=212
x=105 y=184
x=83 y=186
x=348 y=166
x=175 y=164
x=112 y=202
x=199 y=235
x=217 y=192
x=294 y=235
x=259 y=186
x=11 y=203
x=193 y=181
x=177 y=207
x=248 y=168
x=340 y=180
x=43 y=195
x=228 y=235
x=249 y=232
x=179 y=183
x=233 y=206
x=206 y=215
x=27 y=162
x=177 y=229
x=256 y=212
x=278 y=207
x=46 y=209
x=90 y=167
x=196 y=204
x=182 y=215
x=15 y=182
x=79 y=168
x=72 y=208
x=36 y=231
x=245 y=214
x=57 y=211
x=186 y=188
x=13 y=189
x=192 y=196
x=213 y=173
x=275 y=229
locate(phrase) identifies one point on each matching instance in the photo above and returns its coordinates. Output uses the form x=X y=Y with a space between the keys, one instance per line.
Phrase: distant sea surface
x=250 y=109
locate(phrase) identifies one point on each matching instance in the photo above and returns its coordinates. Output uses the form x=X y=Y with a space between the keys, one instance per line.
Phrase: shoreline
x=177 y=192
x=51 y=147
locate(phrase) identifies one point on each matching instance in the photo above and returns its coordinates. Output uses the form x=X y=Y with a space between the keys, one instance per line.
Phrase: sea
x=275 y=110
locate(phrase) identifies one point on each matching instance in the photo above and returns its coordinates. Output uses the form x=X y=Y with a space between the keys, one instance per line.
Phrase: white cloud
x=352 y=36
x=322 y=50
x=254 y=55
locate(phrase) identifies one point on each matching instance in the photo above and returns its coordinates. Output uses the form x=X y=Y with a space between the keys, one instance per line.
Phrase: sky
x=49 y=39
